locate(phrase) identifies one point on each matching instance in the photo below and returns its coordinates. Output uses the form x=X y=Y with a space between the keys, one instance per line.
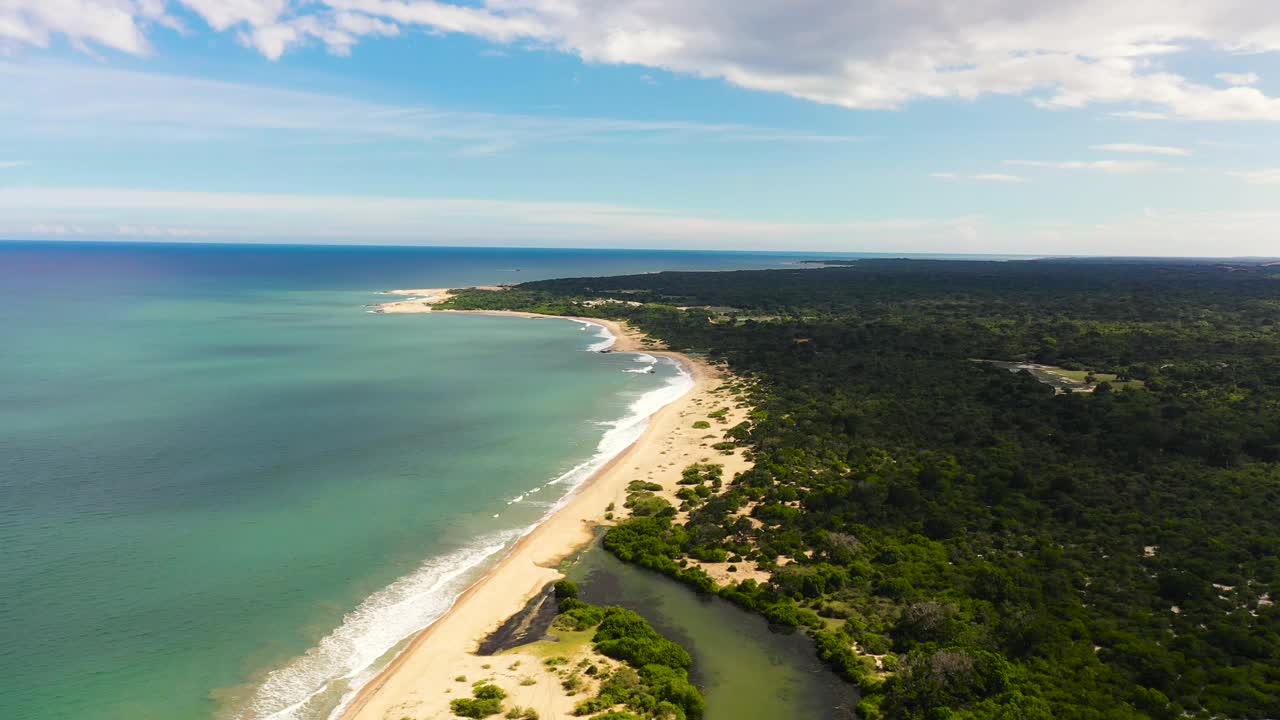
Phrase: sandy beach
x=424 y=300
x=422 y=680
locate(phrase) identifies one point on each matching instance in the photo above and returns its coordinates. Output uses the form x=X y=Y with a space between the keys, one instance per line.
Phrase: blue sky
x=1071 y=127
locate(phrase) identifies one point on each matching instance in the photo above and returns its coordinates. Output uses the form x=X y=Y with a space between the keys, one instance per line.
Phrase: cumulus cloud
x=878 y=54
x=115 y=24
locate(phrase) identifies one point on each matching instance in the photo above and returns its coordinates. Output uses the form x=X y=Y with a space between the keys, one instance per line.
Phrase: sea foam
x=607 y=339
x=622 y=432
x=347 y=658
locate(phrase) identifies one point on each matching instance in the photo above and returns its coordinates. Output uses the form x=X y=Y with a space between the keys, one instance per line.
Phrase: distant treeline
x=1006 y=551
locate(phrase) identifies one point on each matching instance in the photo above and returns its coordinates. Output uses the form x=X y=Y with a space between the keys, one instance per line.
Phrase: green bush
x=650 y=506
x=488 y=691
x=565 y=589
x=783 y=613
x=475 y=707
x=624 y=635
x=577 y=615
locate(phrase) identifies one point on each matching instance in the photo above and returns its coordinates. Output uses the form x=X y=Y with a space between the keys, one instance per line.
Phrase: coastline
x=419 y=681
x=424 y=300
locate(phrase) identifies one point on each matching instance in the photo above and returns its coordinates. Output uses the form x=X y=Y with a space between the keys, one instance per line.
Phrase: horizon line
x=881 y=255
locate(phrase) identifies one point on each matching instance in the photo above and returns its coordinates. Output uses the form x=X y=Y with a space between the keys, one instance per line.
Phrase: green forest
x=963 y=541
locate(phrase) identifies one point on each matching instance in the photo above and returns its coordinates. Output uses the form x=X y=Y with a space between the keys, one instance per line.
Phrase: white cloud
x=102 y=103
x=105 y=213
x=4 y=164
x=1238 y=78
x=944 y=176
x=1268 y=176
x=338 y=32
x=115 y=24
x=1142 y=149
x=1140 y=115
x=1116 y=167
x=866 y=54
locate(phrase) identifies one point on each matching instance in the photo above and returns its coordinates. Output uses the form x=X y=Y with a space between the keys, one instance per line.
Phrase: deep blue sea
x=227 y=490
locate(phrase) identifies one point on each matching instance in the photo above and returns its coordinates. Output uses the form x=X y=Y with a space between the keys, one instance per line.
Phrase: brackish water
x=743 y=668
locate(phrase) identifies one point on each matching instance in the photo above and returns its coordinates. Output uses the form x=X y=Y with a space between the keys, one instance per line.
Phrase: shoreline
x=420 y=677
x=625 y=339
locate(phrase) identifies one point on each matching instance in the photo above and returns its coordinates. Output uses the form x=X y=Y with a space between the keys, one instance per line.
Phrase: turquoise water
x=226 y=490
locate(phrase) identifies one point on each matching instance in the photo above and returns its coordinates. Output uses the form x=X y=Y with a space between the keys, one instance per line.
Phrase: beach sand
x=424 y=301
x=422 y=680
x=417 y=300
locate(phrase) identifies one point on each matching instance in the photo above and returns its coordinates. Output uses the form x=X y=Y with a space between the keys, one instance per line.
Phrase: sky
x=1064 y=127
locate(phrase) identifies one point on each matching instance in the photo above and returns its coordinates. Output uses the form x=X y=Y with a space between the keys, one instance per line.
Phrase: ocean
x=227 y=490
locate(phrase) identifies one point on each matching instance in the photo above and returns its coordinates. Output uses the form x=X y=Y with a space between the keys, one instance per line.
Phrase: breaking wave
x=321 y=682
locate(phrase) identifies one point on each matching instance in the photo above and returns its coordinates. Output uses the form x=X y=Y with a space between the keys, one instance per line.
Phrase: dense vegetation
x=653 y=683
x=1004 y=550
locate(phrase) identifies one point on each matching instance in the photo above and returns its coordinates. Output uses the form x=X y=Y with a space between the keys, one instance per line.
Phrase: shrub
x=701 y=425
x=709 y=554
x=565 y=589
x=577 y=615
x=475 y=707
x=591 y=706
x=784 y=613
x=624 y=635
x=489 y=691
x=650 y=506
x=572 y=684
